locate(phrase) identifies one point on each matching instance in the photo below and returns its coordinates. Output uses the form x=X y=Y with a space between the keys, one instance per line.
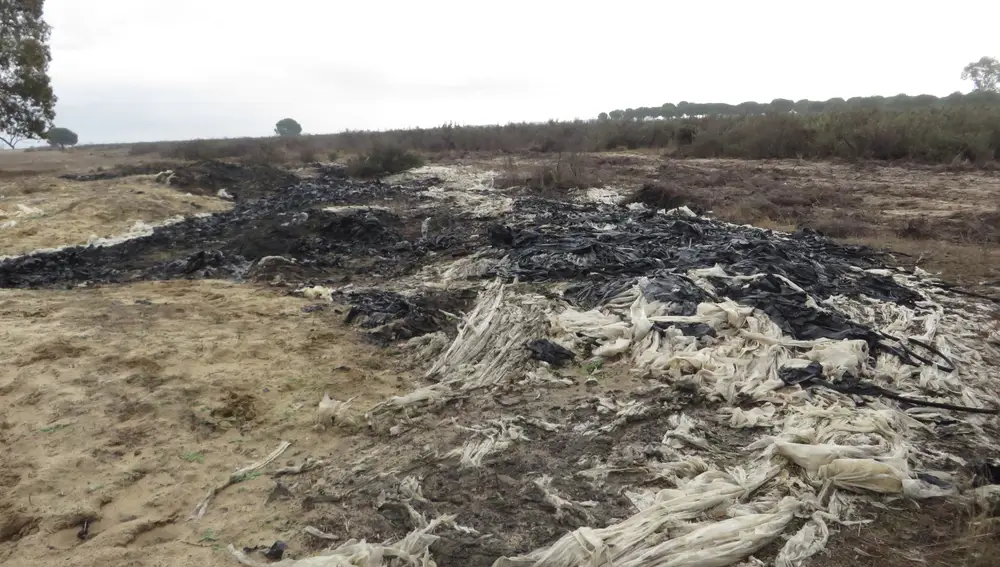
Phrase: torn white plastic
x=487 y=439
x=412 y=551
x=490 y=340
x=663 y=534
x=317 y=292
x=332 y=412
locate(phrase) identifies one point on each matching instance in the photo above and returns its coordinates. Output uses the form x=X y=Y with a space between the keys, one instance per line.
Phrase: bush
x=381 y=161
x=661 y=196
x=569 y=171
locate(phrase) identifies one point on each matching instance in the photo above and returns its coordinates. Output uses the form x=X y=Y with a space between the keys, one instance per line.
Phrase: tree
x=61 y=137
x=782 y=105
x=27 y=104
x=984 y=74
x=617 y=114
x=602 y=116
x=287 y=127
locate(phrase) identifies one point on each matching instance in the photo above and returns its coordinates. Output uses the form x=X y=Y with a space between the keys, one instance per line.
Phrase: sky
x=146 y=70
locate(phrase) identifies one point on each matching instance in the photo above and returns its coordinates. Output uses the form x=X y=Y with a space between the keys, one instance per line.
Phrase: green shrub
x=381 y=161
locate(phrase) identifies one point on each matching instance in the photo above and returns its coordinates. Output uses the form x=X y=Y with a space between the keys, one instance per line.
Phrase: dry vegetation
x=960 y=134
x=68 y=212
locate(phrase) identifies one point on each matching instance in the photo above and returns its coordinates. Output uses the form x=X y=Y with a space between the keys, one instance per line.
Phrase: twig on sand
x=306 y=466
x=237 y=477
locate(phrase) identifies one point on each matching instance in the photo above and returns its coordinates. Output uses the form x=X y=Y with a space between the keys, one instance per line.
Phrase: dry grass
x=549 y=176
x=953 y=137
x=19 y=163
x=73 y=211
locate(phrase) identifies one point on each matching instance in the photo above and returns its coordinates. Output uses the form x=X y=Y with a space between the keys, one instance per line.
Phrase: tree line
x=686 y=109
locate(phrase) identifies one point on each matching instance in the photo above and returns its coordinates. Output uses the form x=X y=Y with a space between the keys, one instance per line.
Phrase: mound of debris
x=293 y=223
x=623 y=386
x=238 y=181
x=772 y=377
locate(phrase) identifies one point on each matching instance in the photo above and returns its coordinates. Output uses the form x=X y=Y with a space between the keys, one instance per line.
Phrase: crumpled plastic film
x=412 y=551
x=645 y=539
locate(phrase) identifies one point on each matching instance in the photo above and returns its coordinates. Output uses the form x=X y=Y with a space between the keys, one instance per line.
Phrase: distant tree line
x=900 y=102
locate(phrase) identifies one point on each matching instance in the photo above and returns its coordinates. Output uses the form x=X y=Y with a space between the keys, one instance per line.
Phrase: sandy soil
x=61 y=212
x=124 y=405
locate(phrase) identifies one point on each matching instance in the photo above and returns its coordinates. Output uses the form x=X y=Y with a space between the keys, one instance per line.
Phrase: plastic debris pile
x=723 y=381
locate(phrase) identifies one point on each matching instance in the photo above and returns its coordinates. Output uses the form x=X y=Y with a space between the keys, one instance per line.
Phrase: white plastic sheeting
x=818 y=453
x=489 y=345
x=672 y=532
x=822 y=437
x=411 y=551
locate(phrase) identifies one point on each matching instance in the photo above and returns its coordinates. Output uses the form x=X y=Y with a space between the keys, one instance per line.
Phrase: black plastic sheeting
x=613 y=242
x=550 y=352
x=661 y=286
x=290 y=223
x=598 y=250
x=390 y=316
x=604 y=251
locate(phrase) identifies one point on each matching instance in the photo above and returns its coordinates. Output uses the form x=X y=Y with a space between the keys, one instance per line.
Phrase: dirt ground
x=120 y=406
x=48 y=212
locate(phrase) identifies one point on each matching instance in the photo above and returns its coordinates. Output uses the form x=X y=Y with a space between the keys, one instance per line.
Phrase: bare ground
x=122 y=405
x=61 y=212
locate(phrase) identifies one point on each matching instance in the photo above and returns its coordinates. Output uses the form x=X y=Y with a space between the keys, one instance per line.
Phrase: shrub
x=663 y=196
x=381 y=161
x=928 y=134
x=567 y=171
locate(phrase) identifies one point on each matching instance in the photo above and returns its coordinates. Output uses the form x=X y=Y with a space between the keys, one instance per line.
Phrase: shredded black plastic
x=548 y=351
x=812 y=376
x=390 y=316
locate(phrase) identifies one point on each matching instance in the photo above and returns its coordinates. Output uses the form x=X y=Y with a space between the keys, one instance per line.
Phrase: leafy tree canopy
x=984 y=74
x=27 y=103
x=287 y=127
x=61 y=137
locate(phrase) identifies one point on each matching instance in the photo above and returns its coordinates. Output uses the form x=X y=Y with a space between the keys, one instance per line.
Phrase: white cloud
x=130 y=70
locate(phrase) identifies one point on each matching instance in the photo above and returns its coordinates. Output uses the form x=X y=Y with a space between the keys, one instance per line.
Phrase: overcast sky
x=135 y=70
